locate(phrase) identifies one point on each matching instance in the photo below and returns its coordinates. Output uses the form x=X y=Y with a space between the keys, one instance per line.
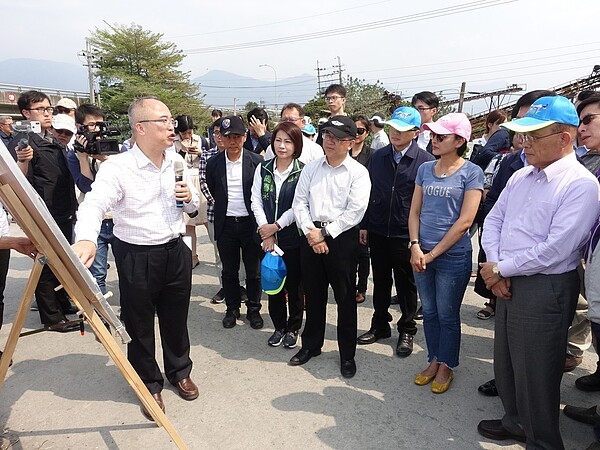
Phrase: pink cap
x=453 y=123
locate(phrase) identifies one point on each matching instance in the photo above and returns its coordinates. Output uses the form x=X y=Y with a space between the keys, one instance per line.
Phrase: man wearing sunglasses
x=393 y=170
x=63 y=128
x=66 y=106
x=44 y=164
x=532 y=238
x=330 y=201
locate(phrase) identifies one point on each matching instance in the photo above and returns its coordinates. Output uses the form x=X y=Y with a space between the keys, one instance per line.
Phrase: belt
x=320 y=224
x=237 y=219
x=168 y=245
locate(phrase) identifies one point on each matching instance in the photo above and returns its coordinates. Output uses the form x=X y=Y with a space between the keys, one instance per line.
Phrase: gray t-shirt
x=442 y=201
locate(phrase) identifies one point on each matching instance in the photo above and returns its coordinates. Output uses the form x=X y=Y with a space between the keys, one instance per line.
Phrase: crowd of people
x=403 y=197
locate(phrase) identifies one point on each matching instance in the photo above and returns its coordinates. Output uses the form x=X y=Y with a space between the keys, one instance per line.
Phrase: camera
x=27 y=126
x=99 y=142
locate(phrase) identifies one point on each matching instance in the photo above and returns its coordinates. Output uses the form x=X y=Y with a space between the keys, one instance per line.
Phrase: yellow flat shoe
x=440 y=388
x=422 y=380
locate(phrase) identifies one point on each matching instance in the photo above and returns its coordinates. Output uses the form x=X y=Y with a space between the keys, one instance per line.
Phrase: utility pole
x=339 y=69
x=91 y=65
x=319 y=80
x=461 y=98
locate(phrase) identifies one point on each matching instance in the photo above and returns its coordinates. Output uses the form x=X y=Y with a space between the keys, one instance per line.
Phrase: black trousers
x=278 y=310
x=236 y=236
x=392 y=255
x=51 y=303
x=338 y=269
x=529 y=354
x=156 y=279
x=4 y=262
x=364 y=266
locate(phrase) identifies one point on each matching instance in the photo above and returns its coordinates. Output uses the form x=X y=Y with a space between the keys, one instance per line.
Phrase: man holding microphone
x=153 y=262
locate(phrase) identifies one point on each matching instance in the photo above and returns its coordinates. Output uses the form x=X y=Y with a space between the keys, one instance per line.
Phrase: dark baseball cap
x=341 y=127
x=232 y=125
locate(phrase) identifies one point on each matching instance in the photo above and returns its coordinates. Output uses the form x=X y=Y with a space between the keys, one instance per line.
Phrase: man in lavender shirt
x=532 y=238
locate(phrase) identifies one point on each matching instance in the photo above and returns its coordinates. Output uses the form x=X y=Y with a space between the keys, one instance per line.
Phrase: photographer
x=44 y=164
x=83 y=167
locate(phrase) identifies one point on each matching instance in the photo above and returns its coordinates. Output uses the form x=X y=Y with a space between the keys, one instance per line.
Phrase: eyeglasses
x=216 y=133
x=329 y=135
x=64 y=132
x=42 y=109
x=332 y=98
x=164 y=121
x=63 y=110
x=92 y=125
x=291 y=119
x=440 y=137
x=360 y=131
x=424 y=108
x=530 y=139
x=587 y=119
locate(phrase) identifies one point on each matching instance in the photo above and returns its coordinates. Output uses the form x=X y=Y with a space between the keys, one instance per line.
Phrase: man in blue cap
x=532 y=238
x=393 y=170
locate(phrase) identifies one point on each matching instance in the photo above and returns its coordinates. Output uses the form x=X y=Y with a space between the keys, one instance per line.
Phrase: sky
x=408 y=46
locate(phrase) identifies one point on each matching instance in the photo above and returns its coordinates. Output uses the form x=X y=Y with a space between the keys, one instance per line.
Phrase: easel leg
x=17 y=326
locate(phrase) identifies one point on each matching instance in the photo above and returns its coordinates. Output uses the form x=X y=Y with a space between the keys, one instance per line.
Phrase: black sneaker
x=255 y=320
x=219 y=297
x=290 y=340
x=276 y=338
x=230 y=317
x=419 y=313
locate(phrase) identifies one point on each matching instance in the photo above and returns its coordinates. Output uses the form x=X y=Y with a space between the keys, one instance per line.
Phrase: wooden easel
x=63 y=262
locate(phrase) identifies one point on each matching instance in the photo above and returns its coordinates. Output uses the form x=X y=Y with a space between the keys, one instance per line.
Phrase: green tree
x=316 y=107
x=133 y=62
x=250 y=106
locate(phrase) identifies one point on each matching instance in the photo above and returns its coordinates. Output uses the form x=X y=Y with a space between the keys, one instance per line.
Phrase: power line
x=426 y=15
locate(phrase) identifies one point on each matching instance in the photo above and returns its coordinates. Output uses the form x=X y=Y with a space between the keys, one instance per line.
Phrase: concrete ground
x=64 y=392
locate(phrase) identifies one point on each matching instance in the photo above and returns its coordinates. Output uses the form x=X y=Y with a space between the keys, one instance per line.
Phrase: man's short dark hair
x=595 y=98
x=295 y=106
x=259 y=113
x=216 y=112
x=427 y=97
x=335 y=89
x=87 y=109
x=26 y=99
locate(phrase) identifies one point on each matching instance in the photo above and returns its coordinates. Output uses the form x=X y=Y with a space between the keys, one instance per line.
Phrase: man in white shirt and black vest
x=331 y=198
x=153 y=262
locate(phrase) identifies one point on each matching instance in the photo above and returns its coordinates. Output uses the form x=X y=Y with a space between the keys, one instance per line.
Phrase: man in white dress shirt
x=331 y=198
x=153 y=262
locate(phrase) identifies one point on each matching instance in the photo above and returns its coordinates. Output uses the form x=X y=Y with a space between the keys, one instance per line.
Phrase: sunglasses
x=64 y=132
x=440 y=137
x=587 y=119
x=360 y=131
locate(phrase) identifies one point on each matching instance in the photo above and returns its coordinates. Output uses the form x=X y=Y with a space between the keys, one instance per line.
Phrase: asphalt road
x=64 y=391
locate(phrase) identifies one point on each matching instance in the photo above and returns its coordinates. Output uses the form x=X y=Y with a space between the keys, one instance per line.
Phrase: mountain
x=44 y=74
x=221 y=88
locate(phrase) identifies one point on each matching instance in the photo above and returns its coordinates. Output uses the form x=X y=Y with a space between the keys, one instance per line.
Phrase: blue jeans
x=98 y=268
x=441 y=288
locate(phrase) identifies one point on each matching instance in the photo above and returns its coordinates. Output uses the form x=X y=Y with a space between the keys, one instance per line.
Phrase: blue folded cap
x=273 y=272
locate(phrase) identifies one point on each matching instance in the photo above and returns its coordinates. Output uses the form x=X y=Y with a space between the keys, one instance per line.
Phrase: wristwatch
x=411 y=243
x=496 y=271
x=324 y=232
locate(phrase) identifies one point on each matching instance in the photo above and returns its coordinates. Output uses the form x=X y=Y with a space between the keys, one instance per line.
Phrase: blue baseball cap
x=404 y=118
x=273 y=272
x=309 y=129
x=544 y=112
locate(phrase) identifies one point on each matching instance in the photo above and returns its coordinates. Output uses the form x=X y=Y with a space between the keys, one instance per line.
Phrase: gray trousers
x=580 y=332
x=529 y=354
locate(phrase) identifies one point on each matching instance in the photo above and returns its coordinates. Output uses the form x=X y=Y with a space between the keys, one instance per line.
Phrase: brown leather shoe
x=158 y=398
x=571 y=362
x=187 y=389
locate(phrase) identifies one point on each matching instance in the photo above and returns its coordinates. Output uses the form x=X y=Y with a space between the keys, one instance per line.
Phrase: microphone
x=178 y=177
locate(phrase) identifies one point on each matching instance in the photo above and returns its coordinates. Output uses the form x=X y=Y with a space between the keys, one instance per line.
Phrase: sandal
x=485 y=313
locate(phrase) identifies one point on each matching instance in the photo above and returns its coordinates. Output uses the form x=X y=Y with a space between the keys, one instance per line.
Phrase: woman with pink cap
x=445 y=201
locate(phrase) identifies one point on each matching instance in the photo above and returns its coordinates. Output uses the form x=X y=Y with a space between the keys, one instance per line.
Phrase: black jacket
x=392 y=187
x=499 y=141
x=216 y=179
x=263 y=142
x=288 y=237
x=49 y=175
x=509 y=165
